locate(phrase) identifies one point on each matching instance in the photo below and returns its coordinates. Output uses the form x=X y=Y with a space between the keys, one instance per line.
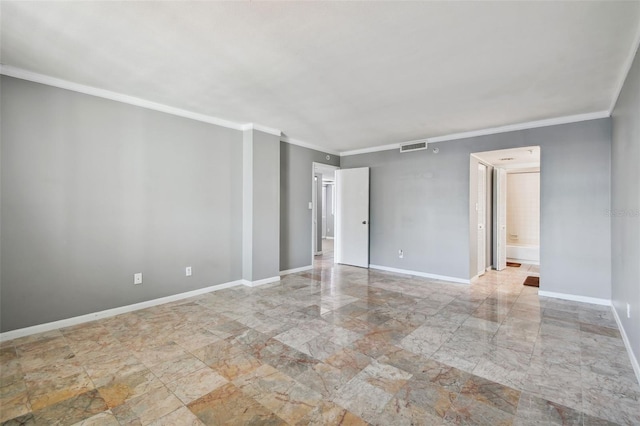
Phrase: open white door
x=352 y=217
x=501 y=218
x=482 y=218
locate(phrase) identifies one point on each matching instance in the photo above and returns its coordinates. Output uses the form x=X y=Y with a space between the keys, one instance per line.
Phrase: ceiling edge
x=131 y=100
x=490 y=131
x=261 y=128
x=119 y=97
x=522 y=126
x=303 y=144
x=372 y=149
x=625 y=70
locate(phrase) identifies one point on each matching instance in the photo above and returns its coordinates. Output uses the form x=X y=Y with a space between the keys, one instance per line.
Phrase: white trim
x=41 y=328
x=318 y=253
x=10 y=71
x=627 y=344
x=481 y=161
x=489 y=131
x=625 y=71
x=303 y=144
x=261 y=282
x=261 y=128
x=421 y=274
x=575 y=298
x=296 y=270
x=522 y=126
x=523 y=261
x=372 y=149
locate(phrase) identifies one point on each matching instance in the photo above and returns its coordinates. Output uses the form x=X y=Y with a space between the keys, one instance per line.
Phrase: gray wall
x=266 y=206
x=95 y=190
x=295 y=195
x=625 y=206
x=420 y=203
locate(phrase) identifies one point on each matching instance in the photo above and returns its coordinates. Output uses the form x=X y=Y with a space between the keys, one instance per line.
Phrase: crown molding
x=522 y=126
x=382 y=147
x=625 y=70
x=261 y=128
x=488 y=131
x=372 y=149
x=143 y=103
x=303 y=144
x=131 y=100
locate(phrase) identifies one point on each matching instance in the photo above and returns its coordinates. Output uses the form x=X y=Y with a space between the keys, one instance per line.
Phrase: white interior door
x=352 y=217
x=482 y=218
x=501 y=218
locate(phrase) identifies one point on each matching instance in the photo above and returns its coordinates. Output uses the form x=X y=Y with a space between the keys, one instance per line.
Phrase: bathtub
x=524 y=253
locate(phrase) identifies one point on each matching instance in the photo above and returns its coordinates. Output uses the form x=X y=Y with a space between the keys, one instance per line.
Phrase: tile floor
x=336 y=345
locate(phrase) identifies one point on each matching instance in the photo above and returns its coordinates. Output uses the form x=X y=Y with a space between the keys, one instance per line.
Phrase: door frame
x=493 y=222
x=314 y=206
x=473 y=214
x=481 y=209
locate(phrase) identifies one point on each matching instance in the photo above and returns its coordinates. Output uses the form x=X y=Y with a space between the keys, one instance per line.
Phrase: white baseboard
x=523 y=261
x=318 y=253
x=261 y=282
x=421 y=274
x=295 y=270
x=575 y=298
x=54 y=325
x=627 y=344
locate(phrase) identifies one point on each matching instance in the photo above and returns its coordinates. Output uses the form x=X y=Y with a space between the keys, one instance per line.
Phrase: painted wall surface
x=625 y=206
x=266 y=206
x=523 y=208
x=420 y=203
x=94 y=191
x=296 y=165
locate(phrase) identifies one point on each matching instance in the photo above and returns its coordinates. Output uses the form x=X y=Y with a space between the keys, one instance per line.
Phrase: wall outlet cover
x=137 y=278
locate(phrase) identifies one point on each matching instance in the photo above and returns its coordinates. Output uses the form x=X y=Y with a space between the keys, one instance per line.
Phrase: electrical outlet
x=187 y=271
x=628 y=310
x=137 y=278
x=400 y=254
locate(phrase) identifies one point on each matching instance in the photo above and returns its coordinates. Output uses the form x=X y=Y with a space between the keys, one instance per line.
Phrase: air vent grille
x=417 y=146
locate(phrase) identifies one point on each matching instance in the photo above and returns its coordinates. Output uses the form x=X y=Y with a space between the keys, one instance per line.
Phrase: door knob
x=364 y=222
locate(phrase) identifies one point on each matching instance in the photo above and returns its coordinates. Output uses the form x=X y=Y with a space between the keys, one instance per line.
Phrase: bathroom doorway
x=505 y=209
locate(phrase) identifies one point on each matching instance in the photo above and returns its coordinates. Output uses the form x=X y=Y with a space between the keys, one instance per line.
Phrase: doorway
x=505 y=209
x=322 y=211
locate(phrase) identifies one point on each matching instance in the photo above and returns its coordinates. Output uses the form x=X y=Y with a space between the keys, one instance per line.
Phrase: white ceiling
x=513 y=158
x=341 y=75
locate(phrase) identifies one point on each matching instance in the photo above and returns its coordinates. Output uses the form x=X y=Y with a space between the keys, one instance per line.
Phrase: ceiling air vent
x=413 y=146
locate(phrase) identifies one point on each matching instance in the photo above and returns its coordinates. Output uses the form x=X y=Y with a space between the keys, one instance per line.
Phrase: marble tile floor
x=334 y=345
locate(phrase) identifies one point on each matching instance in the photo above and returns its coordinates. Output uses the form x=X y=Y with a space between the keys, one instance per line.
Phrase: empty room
x=319 y=213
